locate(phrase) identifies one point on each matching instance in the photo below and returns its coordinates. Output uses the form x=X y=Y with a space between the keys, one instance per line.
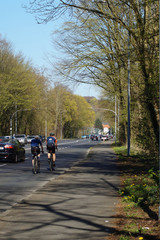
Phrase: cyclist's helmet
x=36 y=137
x=52 y=134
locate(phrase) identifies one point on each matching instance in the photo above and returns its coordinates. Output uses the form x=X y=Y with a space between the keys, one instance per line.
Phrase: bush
x=142 y=190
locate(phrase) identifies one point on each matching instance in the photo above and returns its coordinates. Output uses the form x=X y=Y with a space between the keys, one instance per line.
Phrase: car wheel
x=16 y=158
x=24 y=157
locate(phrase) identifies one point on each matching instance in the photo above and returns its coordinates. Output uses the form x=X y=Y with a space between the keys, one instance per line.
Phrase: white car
x=29 y=138
x=104 y=138
x=21 y=138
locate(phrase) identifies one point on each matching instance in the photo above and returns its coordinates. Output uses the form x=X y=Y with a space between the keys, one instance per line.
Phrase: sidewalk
x=79 y=204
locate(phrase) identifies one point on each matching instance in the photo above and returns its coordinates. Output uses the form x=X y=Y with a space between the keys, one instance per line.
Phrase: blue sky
x=31 y=39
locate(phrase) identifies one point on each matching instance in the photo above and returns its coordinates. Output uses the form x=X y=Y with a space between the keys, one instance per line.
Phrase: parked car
x=29 y=138
x=83 y=137
x=110 y=136
x=104 y=138
x=21 y=138
x=94 y=138
x=11 y=150
x=9 y=137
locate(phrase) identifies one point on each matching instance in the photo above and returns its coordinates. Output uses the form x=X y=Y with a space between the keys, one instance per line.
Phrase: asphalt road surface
x=18 y=181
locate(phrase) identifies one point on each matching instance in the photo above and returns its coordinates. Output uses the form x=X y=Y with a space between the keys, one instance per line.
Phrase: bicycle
x=51 y=166
x=36 y=161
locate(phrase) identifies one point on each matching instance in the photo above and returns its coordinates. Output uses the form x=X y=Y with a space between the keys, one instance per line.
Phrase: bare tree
x=143 y=29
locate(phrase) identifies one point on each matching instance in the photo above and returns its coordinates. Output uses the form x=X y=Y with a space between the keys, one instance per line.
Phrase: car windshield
x=19 y=136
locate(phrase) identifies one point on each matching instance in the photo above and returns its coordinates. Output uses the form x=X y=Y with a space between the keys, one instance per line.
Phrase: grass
x=137 y=212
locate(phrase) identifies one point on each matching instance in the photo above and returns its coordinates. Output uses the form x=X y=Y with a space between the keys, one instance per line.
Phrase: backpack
x=50 y=142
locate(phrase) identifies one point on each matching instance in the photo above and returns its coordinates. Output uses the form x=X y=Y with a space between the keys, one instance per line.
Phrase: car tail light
x=9 y=146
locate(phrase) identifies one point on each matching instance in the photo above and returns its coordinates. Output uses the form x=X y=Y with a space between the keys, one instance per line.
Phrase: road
x=18 y=182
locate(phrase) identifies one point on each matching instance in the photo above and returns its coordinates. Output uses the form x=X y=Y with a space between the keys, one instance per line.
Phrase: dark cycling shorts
x=51 y=149
x=35 y=149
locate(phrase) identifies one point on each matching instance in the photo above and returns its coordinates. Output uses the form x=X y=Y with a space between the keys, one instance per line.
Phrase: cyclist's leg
x=34 y=164
x=32 y=151
x=49 y=155
x=38 y=158
x=51 y=162
x=54 y=156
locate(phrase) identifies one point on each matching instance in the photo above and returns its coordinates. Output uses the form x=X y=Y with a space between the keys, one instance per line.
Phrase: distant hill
x=88 y=99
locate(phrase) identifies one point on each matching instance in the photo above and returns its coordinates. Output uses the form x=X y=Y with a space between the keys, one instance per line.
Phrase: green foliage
x=85 y=115
x=96 y=43
x=69 y=112
x=98 y=124
x=97 y=50
x=24 y=91
x=155 y=175
x=124 y=238
x=120 y=150
x=142 y=190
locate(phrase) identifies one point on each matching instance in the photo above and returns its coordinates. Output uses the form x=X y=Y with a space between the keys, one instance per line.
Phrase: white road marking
x=3 y=165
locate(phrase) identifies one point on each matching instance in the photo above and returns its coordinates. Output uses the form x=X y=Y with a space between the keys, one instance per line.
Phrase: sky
x=33 y=40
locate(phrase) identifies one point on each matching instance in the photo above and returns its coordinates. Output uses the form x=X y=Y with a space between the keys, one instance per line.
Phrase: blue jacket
x=36 y=143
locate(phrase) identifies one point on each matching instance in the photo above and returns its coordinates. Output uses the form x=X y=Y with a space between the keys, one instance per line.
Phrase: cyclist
x=51 y=143
x=35 y=143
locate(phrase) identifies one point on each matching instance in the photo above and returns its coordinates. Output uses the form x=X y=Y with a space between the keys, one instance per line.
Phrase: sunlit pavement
x=79 y=204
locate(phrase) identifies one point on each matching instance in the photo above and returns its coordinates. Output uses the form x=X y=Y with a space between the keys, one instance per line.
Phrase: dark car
x=11 y=150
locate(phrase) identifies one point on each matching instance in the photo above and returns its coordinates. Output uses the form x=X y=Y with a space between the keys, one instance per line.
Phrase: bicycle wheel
x=51 y=163
x=35 y=165
x=39 y=166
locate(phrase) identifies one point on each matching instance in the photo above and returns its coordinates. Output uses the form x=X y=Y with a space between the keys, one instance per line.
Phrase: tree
x=98 y=124
x=22 y=89
x=68 y=112
x=112 y=17
x=96 y=59
x=85 y=115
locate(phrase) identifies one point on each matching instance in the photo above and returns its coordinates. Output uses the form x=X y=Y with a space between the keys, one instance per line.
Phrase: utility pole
x=61 y=127
x=46 y=129
x=128 y=150
x=159 y=106
x=115 y=120
x=118 y=120
x=16 y=120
